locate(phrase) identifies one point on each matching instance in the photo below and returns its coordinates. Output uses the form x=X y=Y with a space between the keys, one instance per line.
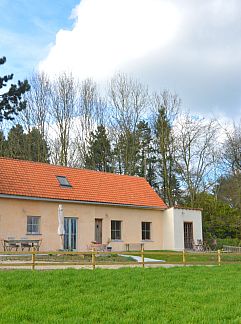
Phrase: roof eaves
x=81 y=202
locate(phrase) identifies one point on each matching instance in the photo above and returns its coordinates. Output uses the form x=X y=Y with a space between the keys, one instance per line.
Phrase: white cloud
x=108 y=34
x=190 y=47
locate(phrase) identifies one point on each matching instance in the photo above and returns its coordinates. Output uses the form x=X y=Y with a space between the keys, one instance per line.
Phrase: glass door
x=70 y=236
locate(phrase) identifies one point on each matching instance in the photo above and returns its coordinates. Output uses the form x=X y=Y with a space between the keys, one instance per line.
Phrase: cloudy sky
x=191 y=47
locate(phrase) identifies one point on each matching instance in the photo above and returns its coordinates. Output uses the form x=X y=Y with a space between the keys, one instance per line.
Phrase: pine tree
x=99 y=155
x=146 y=157
x=164 y=142
x=16 y=143
x=11 y=101
x=37 y=149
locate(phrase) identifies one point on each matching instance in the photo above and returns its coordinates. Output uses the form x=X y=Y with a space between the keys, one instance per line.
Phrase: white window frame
x=31 y=224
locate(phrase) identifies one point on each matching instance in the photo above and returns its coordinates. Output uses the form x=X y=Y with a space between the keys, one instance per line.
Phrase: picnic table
x=21 y=244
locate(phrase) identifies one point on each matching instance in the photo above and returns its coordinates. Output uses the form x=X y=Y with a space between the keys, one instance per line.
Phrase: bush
x=227 y=241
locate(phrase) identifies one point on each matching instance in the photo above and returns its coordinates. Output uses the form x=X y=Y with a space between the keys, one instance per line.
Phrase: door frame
x=187 y=222
x=101 y=222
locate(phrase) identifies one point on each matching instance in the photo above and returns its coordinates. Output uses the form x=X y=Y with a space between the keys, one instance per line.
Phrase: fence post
x=219 y=257
x=183 y=257
x=93 y=258
x=142 y=256
x=33 y=260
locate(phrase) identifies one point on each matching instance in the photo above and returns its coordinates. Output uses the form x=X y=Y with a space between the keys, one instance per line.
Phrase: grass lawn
x=130 y=295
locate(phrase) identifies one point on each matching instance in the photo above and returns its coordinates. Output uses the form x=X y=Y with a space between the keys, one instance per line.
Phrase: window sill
x=117 y=241
x=147 y=241
x=33 y=234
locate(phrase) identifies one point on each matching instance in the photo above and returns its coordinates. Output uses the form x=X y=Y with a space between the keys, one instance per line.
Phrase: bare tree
x=128 y=101
x=232 y=148
x=63 y=97
x=196 y=153
x=36 y=113
x=91 y=111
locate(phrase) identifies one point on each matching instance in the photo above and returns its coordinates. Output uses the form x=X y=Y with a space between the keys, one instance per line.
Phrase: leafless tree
x=63 y=97
x=196 y=153
x=128 y=102
x=36 y=113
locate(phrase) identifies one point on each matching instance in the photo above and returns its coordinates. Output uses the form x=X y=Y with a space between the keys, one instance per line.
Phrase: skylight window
x=63 y=181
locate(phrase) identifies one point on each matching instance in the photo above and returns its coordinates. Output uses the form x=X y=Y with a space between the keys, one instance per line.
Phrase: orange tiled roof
x=31 y=179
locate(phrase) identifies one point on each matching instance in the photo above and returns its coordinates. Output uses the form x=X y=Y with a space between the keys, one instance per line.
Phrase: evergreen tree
x=37 y=149
x=2 y=144
x=125 y=152
x=99 y=155
x=16 y=143
x=220 y=220
x=23 y=146
x=165 y=147
x=11 y=101
x=146 y=158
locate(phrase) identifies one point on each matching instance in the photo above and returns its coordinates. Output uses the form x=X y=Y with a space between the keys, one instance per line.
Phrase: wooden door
x=98 y=230
x=188 y=235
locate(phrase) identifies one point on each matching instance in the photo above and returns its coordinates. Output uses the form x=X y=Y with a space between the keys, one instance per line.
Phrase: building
x=98 y=206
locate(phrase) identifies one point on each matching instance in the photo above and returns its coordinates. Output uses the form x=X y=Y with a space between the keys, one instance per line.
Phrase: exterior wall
x=173 y=227
x=14 y=212
x=168 y=230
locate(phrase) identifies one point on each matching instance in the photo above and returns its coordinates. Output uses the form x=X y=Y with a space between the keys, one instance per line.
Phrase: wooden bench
x=134 y=246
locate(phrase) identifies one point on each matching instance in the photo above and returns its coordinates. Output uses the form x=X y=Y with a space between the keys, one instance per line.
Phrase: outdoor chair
x=9 y=246
x=25 y=244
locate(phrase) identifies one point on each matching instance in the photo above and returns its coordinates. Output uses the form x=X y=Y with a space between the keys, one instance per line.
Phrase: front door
x=188 y=235
x=70 y=236
x=98 y=230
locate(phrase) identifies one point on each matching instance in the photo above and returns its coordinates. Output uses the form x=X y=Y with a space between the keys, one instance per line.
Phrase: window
x=115 y=230
x=63 y=181
x=33 y=224
x=146 y=230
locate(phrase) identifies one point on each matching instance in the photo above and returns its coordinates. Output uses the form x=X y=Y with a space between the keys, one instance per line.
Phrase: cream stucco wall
x=14 y=212
x=173 y=227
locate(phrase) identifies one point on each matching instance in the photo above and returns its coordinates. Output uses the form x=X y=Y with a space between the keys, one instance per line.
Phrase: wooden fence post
x=33 y=260
x=142 y=256
x=93 y=258
x=219 y=257
x=183 y=257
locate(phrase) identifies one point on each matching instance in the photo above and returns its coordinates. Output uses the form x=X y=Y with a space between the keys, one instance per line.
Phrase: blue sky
x=190 y=47
x=28 y=28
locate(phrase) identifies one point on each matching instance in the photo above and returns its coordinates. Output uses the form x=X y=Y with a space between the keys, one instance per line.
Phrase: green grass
x=130 y=295
x=193 y=257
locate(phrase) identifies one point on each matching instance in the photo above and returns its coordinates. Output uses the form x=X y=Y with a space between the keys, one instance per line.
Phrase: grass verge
x=130 y=295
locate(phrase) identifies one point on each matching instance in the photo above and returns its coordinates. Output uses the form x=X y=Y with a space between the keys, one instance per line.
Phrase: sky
x=191 y=47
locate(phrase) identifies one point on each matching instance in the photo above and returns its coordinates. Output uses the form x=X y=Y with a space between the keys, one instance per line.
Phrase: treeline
x=126 y=129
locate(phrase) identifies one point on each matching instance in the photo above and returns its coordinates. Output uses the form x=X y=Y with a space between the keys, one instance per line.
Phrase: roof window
x=63 y=181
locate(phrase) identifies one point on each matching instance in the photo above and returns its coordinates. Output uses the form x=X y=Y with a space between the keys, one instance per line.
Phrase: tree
x=2 y=144
x=166 y=107
x=63 y=96
x=11 y=101
x=196 y=154
x=37 y=149
x=146 y=156
x=99 y=155
x=128 y=101
x=16 y=146
x=220 y=220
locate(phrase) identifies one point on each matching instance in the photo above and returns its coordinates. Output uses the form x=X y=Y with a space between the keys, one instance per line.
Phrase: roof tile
x=32 y=179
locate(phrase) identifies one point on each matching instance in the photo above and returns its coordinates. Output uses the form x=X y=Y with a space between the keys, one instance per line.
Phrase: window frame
x=145 y=232
x=115 y=232
x=66 y=184
x=30 y=225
